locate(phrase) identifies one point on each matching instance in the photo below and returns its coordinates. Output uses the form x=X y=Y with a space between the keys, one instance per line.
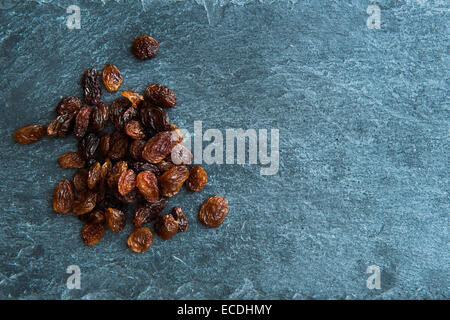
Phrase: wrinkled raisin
x=80 y=179
x=164 y=166
x=120 y=112
x=112 y=79
x=63 y=197
x=84 y=202
x=71 y=160
x=92 y=233
x=61 y=125
x=180 y=217
x=115 y=174
x=213 y=211
x=134 y=97
x=171 y=181
x=88 y=145
x=161 y=96
x=30 y=134
x=139 y=166
x=154 y=117
x=94 y=175
x=118 y=146
x=103 y=146
x=100 y=116
x=144 y=47
x=82 y=122
x=91 y=86
x=115 y=219
x=130 y=197
x=135 y=130
x=140 y=239
x=136 y=148
x=166 y=226
x=126 y=182
x=197 y=179
x=147 y=212
x=96 y=216
x=68 y=105
x=147 y=184
x=161 y=145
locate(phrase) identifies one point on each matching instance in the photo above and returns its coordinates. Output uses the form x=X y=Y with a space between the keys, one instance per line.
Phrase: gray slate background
x=363 y=119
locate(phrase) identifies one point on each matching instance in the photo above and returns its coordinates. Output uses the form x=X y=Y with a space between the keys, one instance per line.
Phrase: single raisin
x=121 y=111
x=161 y=145
x=171 y=181
x=154 y=117
x=115 y=219
x=94 y=175
x=82 y=122
x=80 y=179
x=63 y=197
x=135 y=149
x=179 y=216
x=30 y=134
x=144 y=47
x=68 y=105
x=166 y=226
x=140 y=239
x=84 y=202
x=134 y=97
x=112 y=79
x=116 y=172
x=135 y=130
x=71 y=160
x=146 y=212
x=91 y=86
x=92 y=233
x=197 y=179
x=160 y=95
x=103 y=146
x=88 y=145
x=100 y=116
x=118 y=146
x=126 y=182
x=213 y=211
x=61 y=125
x=147 y=184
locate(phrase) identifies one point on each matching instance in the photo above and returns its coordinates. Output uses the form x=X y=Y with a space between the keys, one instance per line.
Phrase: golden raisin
x=197 y=179
x=92 y=233
x=140 y=239
x=112 y=79
x=71 y=160
x=148 y=185
x=30 y=134
x=63 y=197
x=214 y=211
x=115 y=219
x=171 y=181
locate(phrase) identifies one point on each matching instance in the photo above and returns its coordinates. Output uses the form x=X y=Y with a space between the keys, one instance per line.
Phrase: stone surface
x=363 y=119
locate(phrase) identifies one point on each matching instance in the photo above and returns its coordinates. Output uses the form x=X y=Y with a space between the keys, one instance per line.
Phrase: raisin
x=179 y=216
x=71 y=160
x=164 y=166
x=135 y=130
x=197 y=179
x=166 y=226
x=144 y=47
x=63 y=197
x=115 y=219
x=91 y=86
x=147 y=184
x=154 y=117
x=115 y=174
x=126 y=182
x=103 y=146
x=147 y=212
x=134 y=97
x=112 y=79
x=100 y=116
x=171 y=181
x=140 y=239
x=88 y=145
x=82 y=122
x=136 y=148
x=160 y=95
x=110 y=202
x=96 y=216
x=106 y=169
x=92 y=233
x=68 y=105
x=117 y=110
x=118 y=146
x=30 y=134
x=84 y=202
x=94 y=175
x=139 y=166
x=80 y=179
x=130 y=197
x=161 y=145
x=213 y=211
x=181 y=155
x=61 y=125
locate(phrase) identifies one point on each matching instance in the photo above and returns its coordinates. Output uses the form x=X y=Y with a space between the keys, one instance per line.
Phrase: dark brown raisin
x=96 y=216
x=117 y=110
x=30 y=134
x=63 y=197
x=171 y=181
x=134 y=97
x=136 y=148
x=147 y=212
x=100 y=116
x=80 y=179
x=131 y=196
x=88 y=145
x=161 y=145
x=197 y=179
x=94 y=175
x=110 y=201
x=135 y=130
x=68 y=105
x=71 y=160
x=115 y=174
x=118 y=146
x=91 y=86
x=160 y=95
x=126 y=182
x=112 y=79
x=139 y=166
x=144 y=47
x=61 y=125
x=92 y=233
x=165 y=165
x=103 y=146
x=115 y=219
x=179 y=215
x=140 y=239
x=166 y=226
x=82 y=122
x=84 y=202
x=213 y=211
x=154 y=117
x=147 y=184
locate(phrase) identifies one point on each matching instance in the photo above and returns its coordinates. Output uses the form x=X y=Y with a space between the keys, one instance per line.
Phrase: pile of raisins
x=140 y=160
